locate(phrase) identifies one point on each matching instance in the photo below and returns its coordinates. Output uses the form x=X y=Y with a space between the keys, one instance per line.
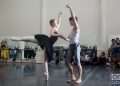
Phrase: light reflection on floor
x=30 y=74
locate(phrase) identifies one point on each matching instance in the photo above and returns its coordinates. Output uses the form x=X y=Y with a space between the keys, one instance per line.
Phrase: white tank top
x=74 y=37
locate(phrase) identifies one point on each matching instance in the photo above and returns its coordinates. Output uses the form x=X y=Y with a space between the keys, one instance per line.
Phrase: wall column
x=103 y=31
x=43 y=16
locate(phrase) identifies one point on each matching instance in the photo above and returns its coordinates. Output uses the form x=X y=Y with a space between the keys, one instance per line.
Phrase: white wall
x=113 y=18
x=110 y=21
x=98 y=19
x=87 y=12
x=19 y=17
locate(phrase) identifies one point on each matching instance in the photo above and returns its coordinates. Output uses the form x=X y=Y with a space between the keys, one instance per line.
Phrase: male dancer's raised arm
x=73 y=16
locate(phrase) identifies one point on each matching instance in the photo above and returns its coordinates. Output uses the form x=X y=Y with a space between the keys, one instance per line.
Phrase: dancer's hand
x=59 y=19
x=67 y=39
x=61 y=36
x=68 y=6
x=60 y=13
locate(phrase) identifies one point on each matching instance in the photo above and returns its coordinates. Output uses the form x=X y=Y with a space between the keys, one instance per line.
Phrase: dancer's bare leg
x=79 y=73
x=71 y=69
x=79 y=66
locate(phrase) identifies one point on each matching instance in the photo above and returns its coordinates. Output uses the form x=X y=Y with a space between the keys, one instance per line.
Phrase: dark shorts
x=74 y=54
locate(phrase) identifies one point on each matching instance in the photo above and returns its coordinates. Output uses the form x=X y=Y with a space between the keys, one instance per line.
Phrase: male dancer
x=74 y=48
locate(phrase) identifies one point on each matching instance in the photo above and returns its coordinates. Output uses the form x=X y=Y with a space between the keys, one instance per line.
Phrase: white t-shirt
x=74 y=36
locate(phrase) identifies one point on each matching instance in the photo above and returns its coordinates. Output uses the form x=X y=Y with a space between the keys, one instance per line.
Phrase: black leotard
x=47 y=43
x=53 y=39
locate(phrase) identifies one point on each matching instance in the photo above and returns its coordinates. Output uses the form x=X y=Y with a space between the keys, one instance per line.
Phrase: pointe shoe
x=46 y=76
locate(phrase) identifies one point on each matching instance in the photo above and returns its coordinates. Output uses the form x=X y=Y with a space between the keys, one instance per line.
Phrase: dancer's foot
x=69 y=81
x=78 y=81
x=72 y=79
x=46 y=76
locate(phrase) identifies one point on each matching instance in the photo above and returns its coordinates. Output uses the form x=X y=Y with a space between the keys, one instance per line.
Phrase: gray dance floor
x=31 y=74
